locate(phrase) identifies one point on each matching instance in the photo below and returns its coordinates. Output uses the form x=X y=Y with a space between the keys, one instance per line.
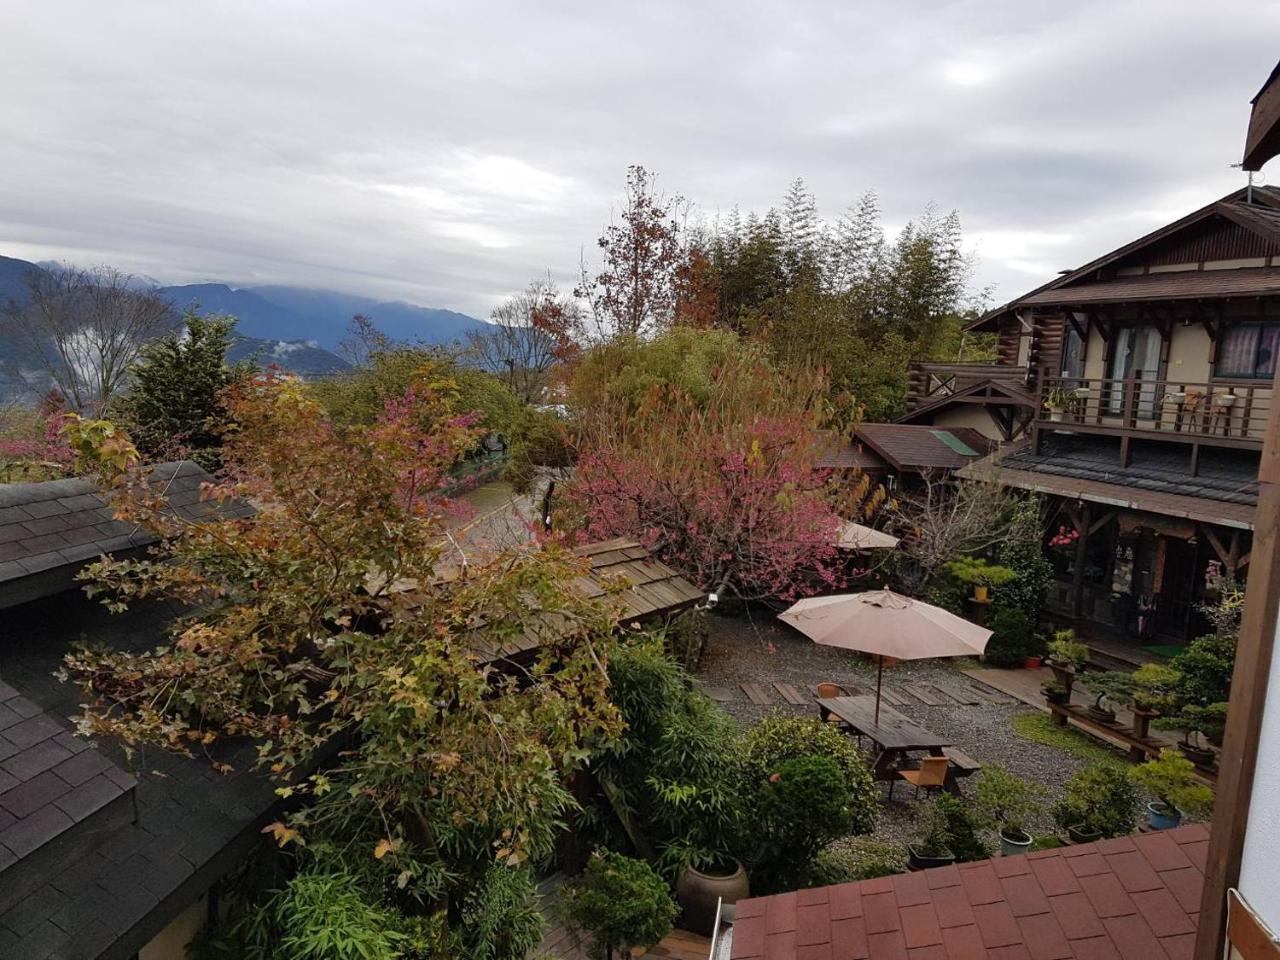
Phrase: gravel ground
x=755 y=647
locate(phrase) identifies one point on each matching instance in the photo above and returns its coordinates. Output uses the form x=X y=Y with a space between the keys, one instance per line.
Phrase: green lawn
x=1040 y=728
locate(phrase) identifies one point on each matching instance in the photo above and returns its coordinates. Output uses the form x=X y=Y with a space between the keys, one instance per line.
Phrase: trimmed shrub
x=801 y=807
x=621 y=903
x=778 y=738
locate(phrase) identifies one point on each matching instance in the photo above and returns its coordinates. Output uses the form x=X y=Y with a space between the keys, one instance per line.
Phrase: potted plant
x=1067 y=657
x=1197 y=724
x=1055 y=692
x=1153 y=686
x=1058 y=401
x=1171 y=777
x=620 y=903
x=1098 y=801
x=1115 y=686
x=1008 y=802
x=931 y=848
x=981 y=574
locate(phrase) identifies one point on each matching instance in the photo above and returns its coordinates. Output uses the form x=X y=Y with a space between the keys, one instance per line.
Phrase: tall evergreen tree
x=172 y=407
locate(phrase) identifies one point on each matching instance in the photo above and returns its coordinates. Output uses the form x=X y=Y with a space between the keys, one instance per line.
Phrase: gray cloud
x=445 y=154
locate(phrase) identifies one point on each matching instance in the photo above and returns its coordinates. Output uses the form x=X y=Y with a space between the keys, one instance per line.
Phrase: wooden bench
x=962 y=765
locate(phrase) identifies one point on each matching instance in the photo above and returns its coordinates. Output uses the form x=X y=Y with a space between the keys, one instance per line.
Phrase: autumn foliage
x=711 y=468
x=327 y=631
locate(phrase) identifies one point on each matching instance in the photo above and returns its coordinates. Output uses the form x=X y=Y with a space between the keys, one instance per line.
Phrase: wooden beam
x=1101 y=522
x=1248 y=701
x=1077 y=580
x=1216 y=544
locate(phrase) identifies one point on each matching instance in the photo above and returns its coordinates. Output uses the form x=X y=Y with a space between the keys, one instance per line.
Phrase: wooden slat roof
x=652 y=589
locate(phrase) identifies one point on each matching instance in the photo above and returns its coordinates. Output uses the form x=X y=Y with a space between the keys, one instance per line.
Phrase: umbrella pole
x=879 y=680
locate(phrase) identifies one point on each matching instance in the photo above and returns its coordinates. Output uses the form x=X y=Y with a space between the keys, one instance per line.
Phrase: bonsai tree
x=1171 y=777
x=1097 y=801
x=1115 y=686
x=961 y=830
x=1153 y=685
x=1008 y=803
x=980 y=573
x=932 y=846
x=1197 y=724
x=621 y=902
x=1066 y=652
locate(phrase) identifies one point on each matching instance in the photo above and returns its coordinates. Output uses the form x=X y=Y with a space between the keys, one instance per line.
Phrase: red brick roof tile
x=1132 y=898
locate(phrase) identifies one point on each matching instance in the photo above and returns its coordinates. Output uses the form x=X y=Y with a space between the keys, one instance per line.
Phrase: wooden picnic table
x=895 y=735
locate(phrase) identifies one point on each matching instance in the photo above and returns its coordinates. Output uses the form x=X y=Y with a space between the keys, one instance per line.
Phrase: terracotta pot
x=1033 y=663
x=698 y=894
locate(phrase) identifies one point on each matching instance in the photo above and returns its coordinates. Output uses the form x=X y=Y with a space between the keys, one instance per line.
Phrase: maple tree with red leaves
x=719 y=482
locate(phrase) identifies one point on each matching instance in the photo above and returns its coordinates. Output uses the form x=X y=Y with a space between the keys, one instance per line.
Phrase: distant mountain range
x=321 y=316
x=295 y=328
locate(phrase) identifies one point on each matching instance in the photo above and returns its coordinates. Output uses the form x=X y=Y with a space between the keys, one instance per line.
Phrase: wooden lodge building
x=1133 y=394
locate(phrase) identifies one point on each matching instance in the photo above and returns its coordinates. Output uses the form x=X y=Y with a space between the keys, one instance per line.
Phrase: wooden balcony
x=929 y=382
x=1200 y=414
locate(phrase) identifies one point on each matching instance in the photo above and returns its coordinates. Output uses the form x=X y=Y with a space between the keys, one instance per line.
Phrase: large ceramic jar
x=700 y=892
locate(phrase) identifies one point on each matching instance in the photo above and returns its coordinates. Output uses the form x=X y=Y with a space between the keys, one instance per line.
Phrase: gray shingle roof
x=1226 y=476
x=105 y=892
x=54 y=527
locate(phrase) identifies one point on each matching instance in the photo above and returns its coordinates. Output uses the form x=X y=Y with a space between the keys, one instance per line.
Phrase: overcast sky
x=445 y=153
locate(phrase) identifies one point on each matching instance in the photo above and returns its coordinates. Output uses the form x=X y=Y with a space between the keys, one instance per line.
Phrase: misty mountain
x=304 y=313
x=23 y=376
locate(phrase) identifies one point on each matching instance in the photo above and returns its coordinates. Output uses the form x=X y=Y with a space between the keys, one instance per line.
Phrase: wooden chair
x=932 y=775
x=1220 y=407
x=1189 y=410
x=826 y=691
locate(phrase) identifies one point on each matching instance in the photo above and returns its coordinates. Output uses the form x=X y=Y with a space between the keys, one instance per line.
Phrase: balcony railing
x=1218 y=414
x=930 y=381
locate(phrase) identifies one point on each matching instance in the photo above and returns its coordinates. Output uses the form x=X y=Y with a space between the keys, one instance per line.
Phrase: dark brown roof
x=1262 y=141
x=1131 y=898
x=1186 y=285
x=1228 y=206
x=48 y=530
x=916 y=447
x=836 y=452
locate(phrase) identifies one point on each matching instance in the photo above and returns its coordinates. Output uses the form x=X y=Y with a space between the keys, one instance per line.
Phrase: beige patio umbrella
x=886 y=624
x=855 y=536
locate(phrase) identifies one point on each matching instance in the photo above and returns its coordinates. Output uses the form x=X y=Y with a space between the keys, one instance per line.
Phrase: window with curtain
x=1247 y=351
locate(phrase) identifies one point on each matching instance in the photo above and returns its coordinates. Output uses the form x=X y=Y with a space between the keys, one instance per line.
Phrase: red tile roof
x=1131 y=898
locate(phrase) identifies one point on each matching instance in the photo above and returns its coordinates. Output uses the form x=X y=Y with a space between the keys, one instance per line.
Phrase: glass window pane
x=1237 y=351
x=1265 y=366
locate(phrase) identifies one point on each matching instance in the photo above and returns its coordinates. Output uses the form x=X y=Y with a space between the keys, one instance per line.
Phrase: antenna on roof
x=1248 y=189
